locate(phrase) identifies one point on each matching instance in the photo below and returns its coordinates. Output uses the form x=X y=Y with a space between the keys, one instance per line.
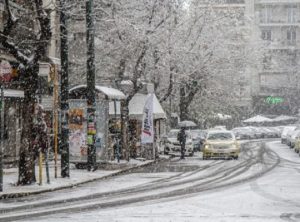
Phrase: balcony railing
x=276 y=2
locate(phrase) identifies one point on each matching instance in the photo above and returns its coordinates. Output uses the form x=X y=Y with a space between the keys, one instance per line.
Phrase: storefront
x=12 y=108
x=12 y=124
x=11 y=80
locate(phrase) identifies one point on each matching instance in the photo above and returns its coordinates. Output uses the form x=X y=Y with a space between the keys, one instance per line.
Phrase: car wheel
x=191 y=154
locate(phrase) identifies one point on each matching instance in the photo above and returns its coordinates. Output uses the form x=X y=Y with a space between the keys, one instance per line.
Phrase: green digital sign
x=273 y=100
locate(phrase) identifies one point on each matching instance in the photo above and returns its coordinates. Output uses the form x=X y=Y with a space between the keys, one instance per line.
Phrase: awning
x=284 y=118
x=136 y=107
x=111 y=93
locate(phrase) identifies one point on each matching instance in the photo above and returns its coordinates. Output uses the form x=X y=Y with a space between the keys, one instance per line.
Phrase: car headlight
x=207 y=146
x=233 y=146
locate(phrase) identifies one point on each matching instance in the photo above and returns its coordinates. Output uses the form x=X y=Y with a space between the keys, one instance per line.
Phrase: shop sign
x=274 y=100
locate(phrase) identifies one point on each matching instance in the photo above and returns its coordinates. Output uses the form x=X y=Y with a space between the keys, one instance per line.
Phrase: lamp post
x=91 y=125
x=65 y=165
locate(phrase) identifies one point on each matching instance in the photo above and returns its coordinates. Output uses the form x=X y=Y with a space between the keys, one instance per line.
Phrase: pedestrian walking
x=181 y=137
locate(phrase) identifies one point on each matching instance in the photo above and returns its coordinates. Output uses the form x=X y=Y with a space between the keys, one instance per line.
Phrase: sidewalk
x=77 y=176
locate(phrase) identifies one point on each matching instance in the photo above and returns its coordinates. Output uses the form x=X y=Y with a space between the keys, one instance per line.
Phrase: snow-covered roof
x=284 y=118
x=257 y=119
x=126 y=82
x=137 y=103
x=111 y=93
x=13 y=93
x=222 y=116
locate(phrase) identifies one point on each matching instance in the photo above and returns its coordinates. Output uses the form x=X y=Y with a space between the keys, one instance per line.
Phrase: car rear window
x=219 y=136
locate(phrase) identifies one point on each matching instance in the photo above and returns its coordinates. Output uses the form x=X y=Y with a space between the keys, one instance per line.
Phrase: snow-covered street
x=261 y=186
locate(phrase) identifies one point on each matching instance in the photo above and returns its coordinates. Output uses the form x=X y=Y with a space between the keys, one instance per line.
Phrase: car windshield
x=220 y=136
x=197 y=134
x=172 y=134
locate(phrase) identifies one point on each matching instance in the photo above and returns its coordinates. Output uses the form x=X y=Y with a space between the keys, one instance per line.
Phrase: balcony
x=279 y=24
x=276 y=2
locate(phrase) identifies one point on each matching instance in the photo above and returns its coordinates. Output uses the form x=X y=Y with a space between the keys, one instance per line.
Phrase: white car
x=295 y=135
x=285 y=132
x=172 y=145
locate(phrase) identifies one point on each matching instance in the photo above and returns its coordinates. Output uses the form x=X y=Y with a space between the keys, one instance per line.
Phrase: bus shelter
x=78 y=122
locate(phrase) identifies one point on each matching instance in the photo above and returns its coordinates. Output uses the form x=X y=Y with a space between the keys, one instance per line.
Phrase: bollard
x=40 y=168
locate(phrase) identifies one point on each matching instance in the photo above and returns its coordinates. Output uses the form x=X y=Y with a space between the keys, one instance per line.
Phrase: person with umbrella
x=181 y=137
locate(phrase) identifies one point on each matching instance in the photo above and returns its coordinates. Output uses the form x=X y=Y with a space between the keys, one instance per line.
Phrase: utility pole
x=55 y=120
x=64 y=103
x=91 y=106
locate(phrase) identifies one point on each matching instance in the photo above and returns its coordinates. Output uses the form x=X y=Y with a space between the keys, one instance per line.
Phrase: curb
x=123 y=171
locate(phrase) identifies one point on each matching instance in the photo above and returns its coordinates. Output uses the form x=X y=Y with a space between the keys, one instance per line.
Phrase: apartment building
x=275 y=40
x=278 y=76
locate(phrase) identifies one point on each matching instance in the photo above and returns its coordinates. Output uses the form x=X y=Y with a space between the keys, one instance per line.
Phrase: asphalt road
x=169 y=184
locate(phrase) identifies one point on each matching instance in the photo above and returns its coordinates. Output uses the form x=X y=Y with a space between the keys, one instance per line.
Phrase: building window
x=235 y=1
x=291 y=13
x=266 y=35
x=291 y=36
x=266 y=14
x=267 y=62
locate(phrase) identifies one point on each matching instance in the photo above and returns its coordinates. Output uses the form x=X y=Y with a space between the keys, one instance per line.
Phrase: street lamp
x=91 y=110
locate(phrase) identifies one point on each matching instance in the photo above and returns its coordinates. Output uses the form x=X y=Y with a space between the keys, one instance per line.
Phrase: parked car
x=297 y=146
x=198 y=137
x=294 y=136
x=172 y=145
x=285 y=132
x=243 y=133
x=289 y=135
x=267 y=133
x=256 y=131
x=221 y=143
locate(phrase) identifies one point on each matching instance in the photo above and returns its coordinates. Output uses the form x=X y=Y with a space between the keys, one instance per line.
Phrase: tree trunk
x=183 y=105
x=27 y=152
x=124 y=128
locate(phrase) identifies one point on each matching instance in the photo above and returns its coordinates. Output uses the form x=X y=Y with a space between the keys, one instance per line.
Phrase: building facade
x=278 y=76
x=11 y=78
x=268 y=82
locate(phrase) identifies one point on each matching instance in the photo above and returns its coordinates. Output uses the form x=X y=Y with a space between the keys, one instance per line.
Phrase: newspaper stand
x=80 y=125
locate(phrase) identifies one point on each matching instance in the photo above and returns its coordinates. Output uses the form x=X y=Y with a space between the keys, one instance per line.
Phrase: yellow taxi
x=221 y=143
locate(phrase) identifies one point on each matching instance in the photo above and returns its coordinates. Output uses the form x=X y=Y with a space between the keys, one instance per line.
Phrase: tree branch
x=45 y=36
x=8 y=27
x=170 y=89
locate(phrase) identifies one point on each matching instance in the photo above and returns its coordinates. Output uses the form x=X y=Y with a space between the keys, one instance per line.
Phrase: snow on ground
x=272 y=197
x=76 y=176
